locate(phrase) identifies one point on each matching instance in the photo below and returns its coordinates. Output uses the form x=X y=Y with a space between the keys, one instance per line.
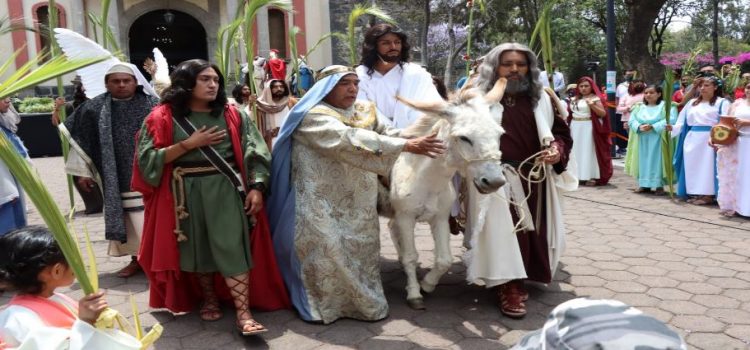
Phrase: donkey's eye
x=466 y=139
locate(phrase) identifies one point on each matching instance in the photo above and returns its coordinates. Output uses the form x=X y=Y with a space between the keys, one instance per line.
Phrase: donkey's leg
x=443 y=258
x=403 y=228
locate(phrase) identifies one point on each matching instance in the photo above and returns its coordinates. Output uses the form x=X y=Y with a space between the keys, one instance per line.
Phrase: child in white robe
x=32 y=264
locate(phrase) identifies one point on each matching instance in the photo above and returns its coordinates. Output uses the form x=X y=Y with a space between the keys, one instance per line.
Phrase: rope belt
x=178 y=193
x=581 y=119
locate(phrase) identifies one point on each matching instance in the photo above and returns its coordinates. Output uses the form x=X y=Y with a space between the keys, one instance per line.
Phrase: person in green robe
x=647 y=123
x=190 y=204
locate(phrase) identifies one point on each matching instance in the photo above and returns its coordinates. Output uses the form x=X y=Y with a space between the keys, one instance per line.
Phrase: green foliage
x=37 y=105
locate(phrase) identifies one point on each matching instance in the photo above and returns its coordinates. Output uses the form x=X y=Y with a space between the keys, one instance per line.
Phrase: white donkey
x=421 y=189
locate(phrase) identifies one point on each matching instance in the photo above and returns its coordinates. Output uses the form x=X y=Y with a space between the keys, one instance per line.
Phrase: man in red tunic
x=276 y=67
x=534 y=129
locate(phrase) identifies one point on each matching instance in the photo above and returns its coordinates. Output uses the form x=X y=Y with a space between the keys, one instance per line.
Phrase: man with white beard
x=534 y=129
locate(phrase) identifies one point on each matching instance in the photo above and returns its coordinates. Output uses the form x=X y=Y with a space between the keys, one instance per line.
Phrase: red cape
x=278 y=68
x=602 y=140
x=159 y=255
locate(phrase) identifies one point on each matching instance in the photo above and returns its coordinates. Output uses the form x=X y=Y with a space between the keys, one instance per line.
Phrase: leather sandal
x=703 y=201
x=641 y=190
x=511 y=303
x=129 y=270
x=257 y=328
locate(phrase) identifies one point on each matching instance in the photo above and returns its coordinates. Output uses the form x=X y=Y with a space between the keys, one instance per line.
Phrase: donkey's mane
x=426 y=124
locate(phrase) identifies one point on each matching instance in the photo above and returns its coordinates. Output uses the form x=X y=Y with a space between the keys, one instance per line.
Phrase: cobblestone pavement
x=683 y=264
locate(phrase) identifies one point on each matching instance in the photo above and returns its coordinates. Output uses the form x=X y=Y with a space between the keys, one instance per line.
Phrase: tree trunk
x=451 y=45
x=715 y=33
x=425 y=32
x=635 y=43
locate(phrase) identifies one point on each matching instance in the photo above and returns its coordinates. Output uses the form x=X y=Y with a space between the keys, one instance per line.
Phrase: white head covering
x=120 y=67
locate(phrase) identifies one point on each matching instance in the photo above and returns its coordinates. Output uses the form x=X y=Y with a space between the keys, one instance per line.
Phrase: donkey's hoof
x=416 y=303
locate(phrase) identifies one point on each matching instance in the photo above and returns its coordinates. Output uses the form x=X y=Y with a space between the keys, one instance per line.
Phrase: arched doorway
x=182 y=39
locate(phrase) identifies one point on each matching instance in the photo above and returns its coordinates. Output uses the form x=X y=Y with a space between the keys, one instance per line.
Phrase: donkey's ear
x=431 y=107
x=497 y=92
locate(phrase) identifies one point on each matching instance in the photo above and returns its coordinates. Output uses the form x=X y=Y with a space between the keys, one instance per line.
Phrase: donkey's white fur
x=421 y=188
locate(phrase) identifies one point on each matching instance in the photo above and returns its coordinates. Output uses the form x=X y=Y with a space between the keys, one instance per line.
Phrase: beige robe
x=336 y=158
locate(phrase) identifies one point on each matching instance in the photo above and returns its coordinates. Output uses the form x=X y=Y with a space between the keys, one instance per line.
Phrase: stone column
x=77 y=17
x=264 y=43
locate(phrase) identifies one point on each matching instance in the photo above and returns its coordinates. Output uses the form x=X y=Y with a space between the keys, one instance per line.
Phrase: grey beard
x=516 y=87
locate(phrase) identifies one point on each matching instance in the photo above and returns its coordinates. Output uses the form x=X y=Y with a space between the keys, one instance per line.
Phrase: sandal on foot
x=703 y=201
x=257 y=328
x=129 y=270
x=210 y=311
x=510 y=303
x=641 y=190
x=590 y=183
x=659 y=192
x=728 y=213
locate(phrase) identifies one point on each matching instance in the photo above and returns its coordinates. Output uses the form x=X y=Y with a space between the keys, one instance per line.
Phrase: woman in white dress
x=734 y=159
x=583 y=107
x=695 y=159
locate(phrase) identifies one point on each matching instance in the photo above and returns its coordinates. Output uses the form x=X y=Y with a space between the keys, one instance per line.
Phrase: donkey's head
x=472 y=135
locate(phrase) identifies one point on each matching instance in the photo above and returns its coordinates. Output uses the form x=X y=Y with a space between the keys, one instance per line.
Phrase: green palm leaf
x=24 y=77
x=667 y=148
x=227 y=38
x=542 y=35
x=34 y=188
x=251 y=11
x=359 y=11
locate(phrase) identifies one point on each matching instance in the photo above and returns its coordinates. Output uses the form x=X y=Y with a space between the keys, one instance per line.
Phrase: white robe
x=412 y=82
x=742 y=186
x=22 y=329
x=584 y=149
x=494 y=256
x=699 y=157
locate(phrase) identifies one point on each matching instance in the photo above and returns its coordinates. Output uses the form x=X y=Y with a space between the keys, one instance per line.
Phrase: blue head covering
x=281 y=204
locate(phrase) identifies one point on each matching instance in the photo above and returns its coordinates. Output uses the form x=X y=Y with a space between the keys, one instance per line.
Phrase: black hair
x=79 y=96
x=440 y=86
x=658 y=89
x=24 y=253
x=180 y=92
x=286 y=86
x=237 y=93
x=370 y=45
x=719 y=89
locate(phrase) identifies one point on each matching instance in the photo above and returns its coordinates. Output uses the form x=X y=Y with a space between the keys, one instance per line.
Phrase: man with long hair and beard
x=202 y=169
x=385 y=71
x=534 y=130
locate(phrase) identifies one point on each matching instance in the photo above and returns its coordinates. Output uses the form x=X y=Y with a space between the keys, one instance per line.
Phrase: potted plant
x=36 y=129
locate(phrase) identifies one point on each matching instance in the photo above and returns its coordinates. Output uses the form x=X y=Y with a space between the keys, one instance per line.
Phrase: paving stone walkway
x=685 y=265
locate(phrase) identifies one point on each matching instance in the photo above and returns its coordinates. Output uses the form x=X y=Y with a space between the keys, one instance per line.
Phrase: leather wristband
x=259 y=186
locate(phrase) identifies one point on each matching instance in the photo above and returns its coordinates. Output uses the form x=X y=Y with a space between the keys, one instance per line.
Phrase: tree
x=641 y=14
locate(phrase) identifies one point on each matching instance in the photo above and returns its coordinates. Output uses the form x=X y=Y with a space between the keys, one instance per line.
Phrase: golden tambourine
x=724 y=133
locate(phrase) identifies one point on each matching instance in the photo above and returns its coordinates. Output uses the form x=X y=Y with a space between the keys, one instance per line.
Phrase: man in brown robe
x=533 y=129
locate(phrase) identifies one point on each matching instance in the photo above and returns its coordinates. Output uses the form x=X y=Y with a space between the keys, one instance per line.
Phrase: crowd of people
x=269 y=201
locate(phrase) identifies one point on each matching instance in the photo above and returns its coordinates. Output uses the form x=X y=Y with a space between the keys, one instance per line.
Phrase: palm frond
x=323 y=38
x=251 y=11
x=24 y=77
x=293 y=49
x=227 y=38
x=542 y=35
x=7 y=25
x=37 y=192
x=666 y=137
x=359 y=11
x=104 y=21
